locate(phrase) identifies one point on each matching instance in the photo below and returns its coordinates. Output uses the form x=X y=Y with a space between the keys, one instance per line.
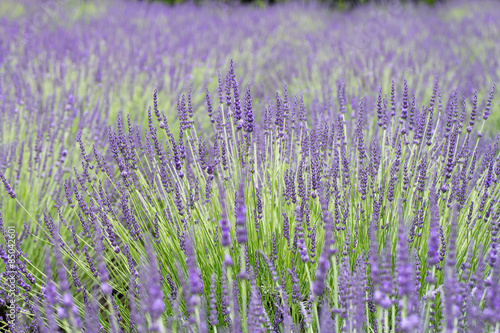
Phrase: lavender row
x=280 y=225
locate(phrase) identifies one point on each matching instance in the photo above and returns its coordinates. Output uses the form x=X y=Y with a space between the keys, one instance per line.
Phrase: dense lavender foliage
x=342 y=174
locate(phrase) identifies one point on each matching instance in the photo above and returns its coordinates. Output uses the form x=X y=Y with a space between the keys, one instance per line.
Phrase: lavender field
x=231 y=168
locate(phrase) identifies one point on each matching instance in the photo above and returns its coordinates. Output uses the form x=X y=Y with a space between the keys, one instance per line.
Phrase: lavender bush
x=361 y=196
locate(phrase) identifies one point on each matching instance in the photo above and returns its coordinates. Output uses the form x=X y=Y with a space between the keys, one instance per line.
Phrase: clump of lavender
x=332 y=199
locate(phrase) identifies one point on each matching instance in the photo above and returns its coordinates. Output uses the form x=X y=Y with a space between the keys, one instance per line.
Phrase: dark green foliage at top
x=338 y=4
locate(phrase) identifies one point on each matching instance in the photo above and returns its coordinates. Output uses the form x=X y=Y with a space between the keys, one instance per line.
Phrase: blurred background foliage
x=338 y=4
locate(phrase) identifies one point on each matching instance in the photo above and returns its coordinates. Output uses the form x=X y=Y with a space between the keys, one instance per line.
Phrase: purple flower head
x=237 y=107
x=240 y=210
x=286 y=228
x=156 y=228
x=153 y=285
x=90 y=261
x=9 y=189
x=224 y=226
x=228 y=260
x=270 y=266
x=404 y=111
x=2 y=230
x=213 y=303
x=68 y=306
x=488 y=103
x=359 y=132
x=220 y=87
x=49 y=290
x=323 y=267
x=405 y=270
x=341 y=98
x=249 y=116
x=51 y=299
x=101 y=265
x=380 y=111
x=173 y=287
x=190 y=104
x=195 y=282
x=324 y=262
x=155 y=105
x=209 y=105
x=433 y=247
x=76 y=280
x=393 y=99
x=473 y=112
x=229 y=85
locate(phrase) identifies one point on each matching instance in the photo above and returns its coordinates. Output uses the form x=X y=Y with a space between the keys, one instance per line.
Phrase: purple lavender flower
x=296 y=295
x=323 y=264
x=359 y=132
x=209 y=106
x=213 y=303
x=90 y=262
x=229 y=85
x=154 y=302
x=393 y=99
x=488 y=103
x=286 y=228
x=404 y=111
x=9 y=189
x=49 y=291
x=237 y=107
x=195 y=282
x=249 y=117
x=224 y=227
x=220 y=87
x=240 y=212
x=76 y=280
x=101 y=265
x=380 y=112
x=68 y=305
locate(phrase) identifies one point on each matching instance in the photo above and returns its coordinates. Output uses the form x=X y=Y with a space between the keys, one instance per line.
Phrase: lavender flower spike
x=9 y=189
x=241 y=231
